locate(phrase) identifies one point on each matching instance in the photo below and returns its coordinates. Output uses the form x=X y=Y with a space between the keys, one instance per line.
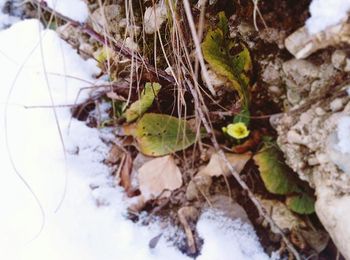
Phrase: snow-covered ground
x=41 y=155
x=325 y=13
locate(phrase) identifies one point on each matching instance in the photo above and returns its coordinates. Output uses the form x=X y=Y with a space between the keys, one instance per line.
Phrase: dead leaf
x=187 y=214
x=124 y=172
x=140 y=160
x=316 y=239
x=158 y=177
x=114 y=154
x=249 y=144
x=229 y=208
x=217 y=166
x=199 y=185
x=281 y=215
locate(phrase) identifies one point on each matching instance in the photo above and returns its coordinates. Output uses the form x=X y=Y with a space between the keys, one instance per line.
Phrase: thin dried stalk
x=115 y=45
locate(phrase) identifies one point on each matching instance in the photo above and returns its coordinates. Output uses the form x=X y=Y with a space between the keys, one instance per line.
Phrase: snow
x=325 y=13
x=83 y=212
x=343 y=133
x=237 y=240
x=74 y=9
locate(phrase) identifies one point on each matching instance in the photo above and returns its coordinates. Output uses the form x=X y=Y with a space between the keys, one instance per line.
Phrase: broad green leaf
x=301 y=203
x=159 y=134
x=139 y=107
x=217 y=50
x=275 y=174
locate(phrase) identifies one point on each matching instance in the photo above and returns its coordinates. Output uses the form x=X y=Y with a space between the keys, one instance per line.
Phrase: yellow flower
x=238 y=130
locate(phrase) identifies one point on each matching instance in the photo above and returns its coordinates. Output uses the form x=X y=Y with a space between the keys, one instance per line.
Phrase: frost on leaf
x=139 y=107
x=159 y=134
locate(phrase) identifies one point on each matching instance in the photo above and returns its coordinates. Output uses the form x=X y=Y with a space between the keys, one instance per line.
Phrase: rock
x=275 y=90
x=76 y=38
x=154 y=17
x=106 y=19
x=347 y=65
x=310 y=142
x=336 y=105
x=293 y=96
x=272 y=73
x=334 y=213
x=339 y=59
x=301 y=43
x=300 y=72
x=273 y=35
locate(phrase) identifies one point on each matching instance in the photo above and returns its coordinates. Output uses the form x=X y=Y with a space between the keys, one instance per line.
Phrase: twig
x=116 y=46
x=198 y=47
x=244 y=186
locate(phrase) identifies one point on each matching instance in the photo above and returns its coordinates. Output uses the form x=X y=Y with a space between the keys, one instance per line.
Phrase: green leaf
x=243 y=116
x=158 y=134
x=301 y=203
x=139 y=107
x=223 y=24
x=217 y=50
x=275 y=174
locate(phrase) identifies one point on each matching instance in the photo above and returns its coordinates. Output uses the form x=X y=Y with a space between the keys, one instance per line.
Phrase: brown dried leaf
x=316 y=239
x=217 y=167
x=281 y=215
x=229 y=208
x=249 y=144
x=125 y=172
x=114 y=154
x=187 y=214
x=158 y=177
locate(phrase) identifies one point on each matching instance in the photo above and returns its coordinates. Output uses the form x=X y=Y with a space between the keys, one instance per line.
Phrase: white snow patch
x=90 y=223
x=228 y=239
x=343 y=133
x=74 y=9
x=325 y=13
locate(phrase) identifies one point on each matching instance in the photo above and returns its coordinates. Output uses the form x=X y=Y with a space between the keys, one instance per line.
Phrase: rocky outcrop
x=311 y=142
